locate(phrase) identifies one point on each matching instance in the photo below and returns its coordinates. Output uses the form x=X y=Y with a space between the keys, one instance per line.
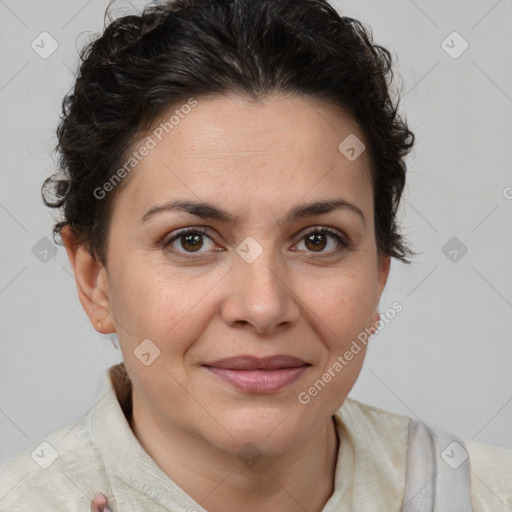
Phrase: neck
x=301 y=479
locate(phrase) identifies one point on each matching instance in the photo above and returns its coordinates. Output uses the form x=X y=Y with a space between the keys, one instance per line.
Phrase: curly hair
x=142 y=65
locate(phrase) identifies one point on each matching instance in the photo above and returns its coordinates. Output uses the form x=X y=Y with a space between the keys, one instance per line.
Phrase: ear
x=91 y=282
x=384 y=264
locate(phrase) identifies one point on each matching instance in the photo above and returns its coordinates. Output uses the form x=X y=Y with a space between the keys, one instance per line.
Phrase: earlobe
x=384 y=266
x=91 y=282
x=382 y=277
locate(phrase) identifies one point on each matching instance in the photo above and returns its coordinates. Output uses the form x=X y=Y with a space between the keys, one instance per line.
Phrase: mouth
x=259 y=375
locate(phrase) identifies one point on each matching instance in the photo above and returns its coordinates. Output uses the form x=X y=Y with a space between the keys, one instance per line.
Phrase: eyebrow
x=210 y=211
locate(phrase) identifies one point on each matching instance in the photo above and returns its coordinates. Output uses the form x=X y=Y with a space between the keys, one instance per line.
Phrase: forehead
x=282 y=149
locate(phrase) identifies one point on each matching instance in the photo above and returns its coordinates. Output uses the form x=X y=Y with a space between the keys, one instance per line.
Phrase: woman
x=232 y=173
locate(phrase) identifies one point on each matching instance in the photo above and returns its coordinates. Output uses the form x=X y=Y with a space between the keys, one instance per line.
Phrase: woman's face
x=256 y=283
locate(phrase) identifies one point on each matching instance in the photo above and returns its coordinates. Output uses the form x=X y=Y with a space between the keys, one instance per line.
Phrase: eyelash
x=342 y=241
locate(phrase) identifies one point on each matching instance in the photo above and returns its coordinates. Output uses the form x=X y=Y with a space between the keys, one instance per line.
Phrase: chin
x=272 y=430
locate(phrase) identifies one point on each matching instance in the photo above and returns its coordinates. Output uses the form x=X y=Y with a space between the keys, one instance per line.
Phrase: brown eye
x=191 y=240
x=317 y=240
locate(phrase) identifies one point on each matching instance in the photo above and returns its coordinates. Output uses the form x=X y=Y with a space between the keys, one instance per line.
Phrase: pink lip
x=257 y=375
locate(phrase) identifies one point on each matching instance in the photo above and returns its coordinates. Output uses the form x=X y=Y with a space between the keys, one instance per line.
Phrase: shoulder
x=376 y=441
x=355 y=412
x=375 y=432
x=491 y=476
x=490 y=465
x=60 y=472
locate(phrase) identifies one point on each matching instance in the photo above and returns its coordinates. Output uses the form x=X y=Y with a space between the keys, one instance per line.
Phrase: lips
x=255 y=363
x=258 y=375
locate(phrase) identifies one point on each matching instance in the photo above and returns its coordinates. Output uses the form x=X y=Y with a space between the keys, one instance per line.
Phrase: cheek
x=350 y=316
x=151 y=302
x=345 y=315
x=346 y=307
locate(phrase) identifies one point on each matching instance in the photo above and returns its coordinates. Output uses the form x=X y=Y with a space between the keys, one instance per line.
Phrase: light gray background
x=446 y=358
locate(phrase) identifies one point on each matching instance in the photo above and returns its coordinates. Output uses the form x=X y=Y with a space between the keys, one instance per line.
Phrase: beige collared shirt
x=100 y=453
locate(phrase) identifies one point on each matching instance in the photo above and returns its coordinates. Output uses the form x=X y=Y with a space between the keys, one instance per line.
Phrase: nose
x=260 y=295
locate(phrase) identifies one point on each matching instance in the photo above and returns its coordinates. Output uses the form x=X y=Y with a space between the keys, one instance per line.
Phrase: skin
x=99 y=504
x=256 y=160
